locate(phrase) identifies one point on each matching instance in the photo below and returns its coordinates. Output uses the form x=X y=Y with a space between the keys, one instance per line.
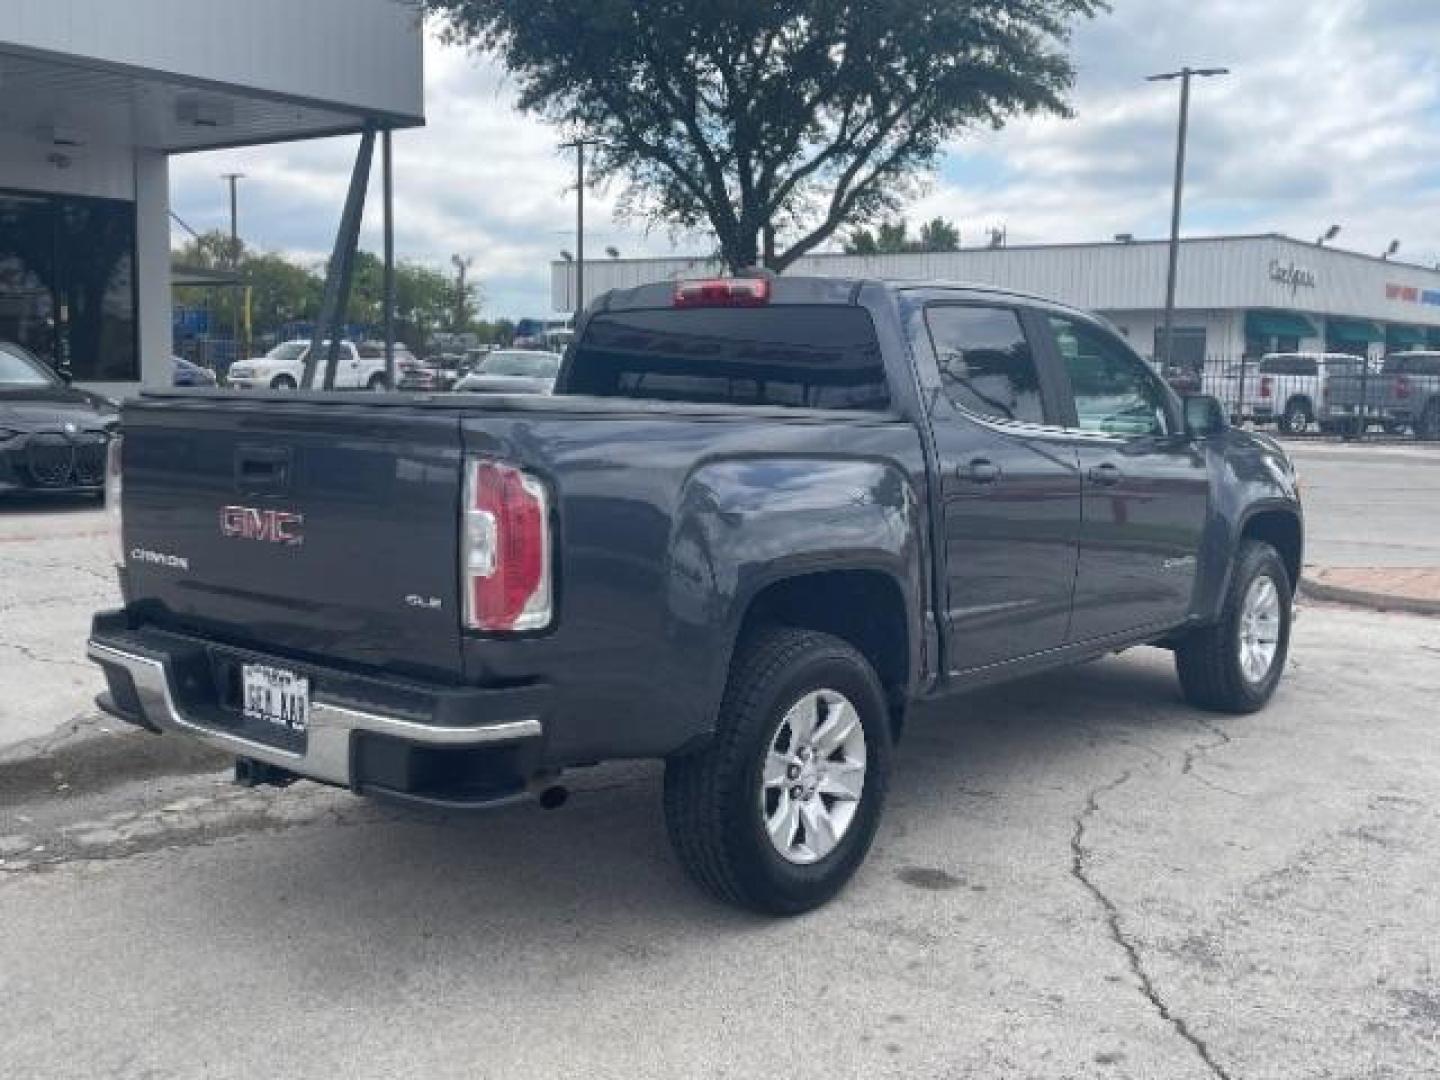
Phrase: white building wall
x=365 y=54
x=1222 y=274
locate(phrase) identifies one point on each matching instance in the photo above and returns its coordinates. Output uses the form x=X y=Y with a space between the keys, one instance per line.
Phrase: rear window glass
x=1289 y=365
x=817 y=357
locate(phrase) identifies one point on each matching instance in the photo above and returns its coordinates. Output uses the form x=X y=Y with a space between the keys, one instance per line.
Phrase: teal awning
x=1432 y=337
x=1354 y=332
x=1259 y=324
x=1404 y=337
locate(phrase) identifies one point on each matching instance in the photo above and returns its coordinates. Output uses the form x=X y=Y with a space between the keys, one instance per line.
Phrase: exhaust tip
x=554 y=797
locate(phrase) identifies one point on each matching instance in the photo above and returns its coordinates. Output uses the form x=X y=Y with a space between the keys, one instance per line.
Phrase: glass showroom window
x=67 y=283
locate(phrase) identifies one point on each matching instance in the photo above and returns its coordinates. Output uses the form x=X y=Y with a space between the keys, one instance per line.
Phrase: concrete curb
x=1386 y=602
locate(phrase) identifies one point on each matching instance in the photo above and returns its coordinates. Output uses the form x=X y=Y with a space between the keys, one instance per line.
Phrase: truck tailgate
x=310 y=528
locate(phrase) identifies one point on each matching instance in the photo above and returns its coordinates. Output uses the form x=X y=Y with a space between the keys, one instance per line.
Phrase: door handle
x=262 y=470
x=980 y=471
x=1106 y=475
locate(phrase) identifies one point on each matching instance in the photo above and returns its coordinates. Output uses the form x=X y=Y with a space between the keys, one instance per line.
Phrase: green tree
x=893 y=238
x=776 y=124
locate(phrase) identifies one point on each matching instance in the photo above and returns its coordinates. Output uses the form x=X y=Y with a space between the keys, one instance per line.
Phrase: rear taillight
x=114 y=489
x=1265 y=387
x=1402 y=387
x=505 y=549
x=723 y=292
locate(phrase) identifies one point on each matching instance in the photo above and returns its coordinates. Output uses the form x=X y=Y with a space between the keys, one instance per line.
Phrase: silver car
x=513 y=371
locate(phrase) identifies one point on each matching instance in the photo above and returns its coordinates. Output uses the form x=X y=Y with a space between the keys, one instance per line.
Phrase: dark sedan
x=188 y=374
x=52 y=436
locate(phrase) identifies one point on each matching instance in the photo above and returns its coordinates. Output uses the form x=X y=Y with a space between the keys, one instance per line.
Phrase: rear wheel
x=779 y=810
x=1235 y=665
x=1297 y=416
x=376 y=384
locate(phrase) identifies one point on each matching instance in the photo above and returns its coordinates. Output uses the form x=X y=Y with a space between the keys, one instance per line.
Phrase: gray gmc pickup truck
x=759 y=520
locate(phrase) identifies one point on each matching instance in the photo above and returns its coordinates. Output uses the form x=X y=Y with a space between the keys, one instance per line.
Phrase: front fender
x=1250 y=475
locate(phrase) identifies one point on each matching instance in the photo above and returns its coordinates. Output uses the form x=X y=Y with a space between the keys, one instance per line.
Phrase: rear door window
x=800 y=356
x=986 y=364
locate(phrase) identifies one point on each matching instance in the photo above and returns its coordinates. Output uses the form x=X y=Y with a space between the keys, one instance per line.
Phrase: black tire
x=1208 y=660
x=283 y=382
x=1427 y=428
x=376 y=384
x=1297 y=416
x=713 y=802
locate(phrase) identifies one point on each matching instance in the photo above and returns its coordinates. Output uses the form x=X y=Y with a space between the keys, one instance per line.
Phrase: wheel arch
x=865 y=607
x=1281 y=528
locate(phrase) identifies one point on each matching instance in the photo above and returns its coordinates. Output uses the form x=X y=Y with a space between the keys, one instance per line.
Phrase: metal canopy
x=1278 y=324
x=1354 y=331
x=58 y=100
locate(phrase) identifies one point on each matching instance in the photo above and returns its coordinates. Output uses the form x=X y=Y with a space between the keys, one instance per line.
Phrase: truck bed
x=323 y=528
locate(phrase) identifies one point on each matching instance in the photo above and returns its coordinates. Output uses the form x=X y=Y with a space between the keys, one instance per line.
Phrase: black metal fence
x=1302 y=397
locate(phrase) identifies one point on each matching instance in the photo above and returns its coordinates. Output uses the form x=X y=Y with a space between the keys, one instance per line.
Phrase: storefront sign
x=1411 y=295
x=1292 y=274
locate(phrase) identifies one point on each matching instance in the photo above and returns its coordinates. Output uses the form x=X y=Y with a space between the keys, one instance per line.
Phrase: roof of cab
x=817 y=290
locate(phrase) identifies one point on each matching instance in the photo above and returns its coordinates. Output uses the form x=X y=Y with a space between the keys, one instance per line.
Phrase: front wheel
x=1235 y=665
x=283 y=382
x=779 y=810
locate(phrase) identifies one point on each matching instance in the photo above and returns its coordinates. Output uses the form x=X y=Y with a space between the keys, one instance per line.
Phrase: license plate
x=276 y=696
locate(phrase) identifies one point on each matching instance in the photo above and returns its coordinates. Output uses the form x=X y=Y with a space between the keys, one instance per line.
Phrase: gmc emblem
x=269 y=526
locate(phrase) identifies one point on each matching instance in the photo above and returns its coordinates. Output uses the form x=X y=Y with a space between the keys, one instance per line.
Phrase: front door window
x=1115 y=392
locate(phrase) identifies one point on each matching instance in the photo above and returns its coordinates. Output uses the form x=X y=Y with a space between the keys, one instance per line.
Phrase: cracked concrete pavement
x=55 y=572
x=1077 y=877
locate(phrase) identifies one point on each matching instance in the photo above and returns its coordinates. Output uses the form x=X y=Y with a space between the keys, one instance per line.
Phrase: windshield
x=18 y=368
x=288 y=352
x=525 y=364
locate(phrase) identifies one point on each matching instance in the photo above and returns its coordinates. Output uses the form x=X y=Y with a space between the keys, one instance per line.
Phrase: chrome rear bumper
x=327 y=753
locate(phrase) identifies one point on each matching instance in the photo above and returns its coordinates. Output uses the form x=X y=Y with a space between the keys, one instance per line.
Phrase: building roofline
x=1099 y=245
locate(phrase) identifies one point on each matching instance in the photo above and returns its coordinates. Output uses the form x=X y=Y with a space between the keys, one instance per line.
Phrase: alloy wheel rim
x=1259 y=634
x=813 y=778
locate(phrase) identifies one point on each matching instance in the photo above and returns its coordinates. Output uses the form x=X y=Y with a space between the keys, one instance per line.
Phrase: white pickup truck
x=1287 y=389
x=283 y=368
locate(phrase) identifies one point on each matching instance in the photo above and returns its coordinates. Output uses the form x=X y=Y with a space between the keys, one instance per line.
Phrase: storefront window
x=67 y=283
x=1188 y=352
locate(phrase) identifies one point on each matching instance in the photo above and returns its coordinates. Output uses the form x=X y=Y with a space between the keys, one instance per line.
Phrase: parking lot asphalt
x=1078 y=876
x=1370 y=505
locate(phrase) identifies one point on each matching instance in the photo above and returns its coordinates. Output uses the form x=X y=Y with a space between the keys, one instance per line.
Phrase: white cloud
x=1332 y=114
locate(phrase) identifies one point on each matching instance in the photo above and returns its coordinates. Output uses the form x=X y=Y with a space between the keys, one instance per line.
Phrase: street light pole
x=579 y=145
x=1184 y=75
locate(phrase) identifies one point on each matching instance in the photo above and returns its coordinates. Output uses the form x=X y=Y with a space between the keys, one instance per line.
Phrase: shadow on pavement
x=516 y=879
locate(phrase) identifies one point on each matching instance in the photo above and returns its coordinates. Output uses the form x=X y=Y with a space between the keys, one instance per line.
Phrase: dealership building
x=95 y=97
x=1236 y=295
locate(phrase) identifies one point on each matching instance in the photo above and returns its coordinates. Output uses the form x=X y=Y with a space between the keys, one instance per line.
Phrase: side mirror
x=1204 y=416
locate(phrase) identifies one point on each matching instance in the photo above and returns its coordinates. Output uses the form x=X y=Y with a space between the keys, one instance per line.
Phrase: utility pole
x=462 y=292
x=234 y=179
x=389 y=206
x=579 y=145
x=1184 y=75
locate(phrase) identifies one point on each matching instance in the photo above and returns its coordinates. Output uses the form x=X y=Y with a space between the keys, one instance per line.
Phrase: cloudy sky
x=1332 y=116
